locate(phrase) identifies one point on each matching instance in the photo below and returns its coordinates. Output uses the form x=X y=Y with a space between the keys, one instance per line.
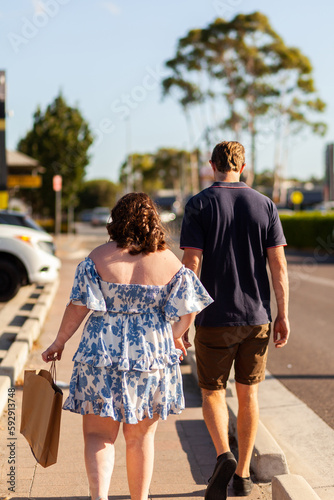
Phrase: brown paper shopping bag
x=41 y=413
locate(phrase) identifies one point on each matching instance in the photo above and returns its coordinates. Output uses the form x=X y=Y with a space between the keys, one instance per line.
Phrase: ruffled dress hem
x=125 y=396
x=102 y=409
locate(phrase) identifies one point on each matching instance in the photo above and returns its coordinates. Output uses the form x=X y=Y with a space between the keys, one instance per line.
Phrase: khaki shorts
x=217 y=348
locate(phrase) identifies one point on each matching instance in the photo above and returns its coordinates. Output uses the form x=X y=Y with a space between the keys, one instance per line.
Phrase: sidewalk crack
x=32 y=480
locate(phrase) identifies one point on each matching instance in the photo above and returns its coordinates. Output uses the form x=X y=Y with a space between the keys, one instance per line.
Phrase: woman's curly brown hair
x=136 y=224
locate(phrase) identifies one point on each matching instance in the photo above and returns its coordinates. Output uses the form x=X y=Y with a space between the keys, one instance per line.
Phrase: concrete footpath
x=293 y=445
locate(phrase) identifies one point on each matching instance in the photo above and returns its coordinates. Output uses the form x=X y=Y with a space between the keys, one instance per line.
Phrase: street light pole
x=129 y=166
x=3 y=162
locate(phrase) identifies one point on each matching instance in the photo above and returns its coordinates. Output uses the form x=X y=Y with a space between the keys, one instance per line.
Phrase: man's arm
x=192 y=258
x=279 y=275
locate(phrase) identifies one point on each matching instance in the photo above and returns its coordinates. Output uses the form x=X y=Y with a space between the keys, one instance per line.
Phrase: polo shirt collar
x=230 y=184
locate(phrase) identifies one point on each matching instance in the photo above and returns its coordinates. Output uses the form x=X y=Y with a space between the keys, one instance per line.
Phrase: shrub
x=309 y=230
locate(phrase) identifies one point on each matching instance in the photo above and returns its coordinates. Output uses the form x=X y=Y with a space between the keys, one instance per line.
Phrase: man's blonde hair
x=228 y=156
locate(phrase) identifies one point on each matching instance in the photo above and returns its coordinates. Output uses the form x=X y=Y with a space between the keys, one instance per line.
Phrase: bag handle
x=52 y=370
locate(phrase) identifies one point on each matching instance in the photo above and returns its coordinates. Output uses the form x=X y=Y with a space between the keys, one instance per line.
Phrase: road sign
x=57 y=185
x=3 y=163
x=57 y=182
x=297 y=197
x=3 y=199
x=24 y=181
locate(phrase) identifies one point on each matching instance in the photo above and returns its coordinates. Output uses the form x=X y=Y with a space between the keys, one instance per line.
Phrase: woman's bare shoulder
x=169 y=259
x=103 y=250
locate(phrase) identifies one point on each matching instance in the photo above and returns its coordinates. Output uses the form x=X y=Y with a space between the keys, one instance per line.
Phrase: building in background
x=24 y=175
x=329 y=173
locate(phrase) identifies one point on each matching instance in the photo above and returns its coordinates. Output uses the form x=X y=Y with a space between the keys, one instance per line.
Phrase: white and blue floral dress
x=126 y=366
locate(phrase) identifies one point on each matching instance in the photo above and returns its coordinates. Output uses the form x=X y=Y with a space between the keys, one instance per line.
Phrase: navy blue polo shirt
x=233 y=225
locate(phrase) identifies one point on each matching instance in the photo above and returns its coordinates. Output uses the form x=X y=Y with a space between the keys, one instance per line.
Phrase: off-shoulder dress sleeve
x=86 y=290
x=187 y=295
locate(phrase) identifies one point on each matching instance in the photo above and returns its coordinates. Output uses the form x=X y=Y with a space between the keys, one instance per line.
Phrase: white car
x=27 y=254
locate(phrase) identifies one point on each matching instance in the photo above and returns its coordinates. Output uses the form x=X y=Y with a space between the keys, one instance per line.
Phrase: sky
x=107 y=58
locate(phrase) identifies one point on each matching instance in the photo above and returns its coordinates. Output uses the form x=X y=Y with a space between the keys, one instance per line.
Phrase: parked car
x=325 y=206
x=27 y=254
x=100 y=216
x=86 y=215
x=167 y=216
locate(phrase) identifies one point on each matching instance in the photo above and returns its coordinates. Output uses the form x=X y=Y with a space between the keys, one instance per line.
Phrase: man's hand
x=281 y=331
x=185 y=338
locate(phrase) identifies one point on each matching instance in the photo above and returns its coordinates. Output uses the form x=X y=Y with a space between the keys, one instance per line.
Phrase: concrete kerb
x=29 y=332
x=15 y=359
x=307 y=441
x=4 y=386
x=292 y=487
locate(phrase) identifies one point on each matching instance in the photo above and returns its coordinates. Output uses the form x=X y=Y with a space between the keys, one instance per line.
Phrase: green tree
x=265 y=178
x=245 y=73
x=136 y=173
x=167 y=168
x=316 y=181
x=98 y=193
x=59 y=140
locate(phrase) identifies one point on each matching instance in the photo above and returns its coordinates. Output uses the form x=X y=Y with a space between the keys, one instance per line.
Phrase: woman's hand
x=54 y=351
x=183 y=344
x=180 y=345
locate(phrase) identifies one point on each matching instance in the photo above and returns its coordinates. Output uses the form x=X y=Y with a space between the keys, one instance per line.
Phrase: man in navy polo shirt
x=230 y=231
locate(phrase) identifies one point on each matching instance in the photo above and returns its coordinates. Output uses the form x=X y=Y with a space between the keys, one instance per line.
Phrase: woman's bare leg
x=100 y=434
x=139 y=440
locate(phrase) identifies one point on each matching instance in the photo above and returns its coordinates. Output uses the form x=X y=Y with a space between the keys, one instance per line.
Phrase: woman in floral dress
x=141 y=301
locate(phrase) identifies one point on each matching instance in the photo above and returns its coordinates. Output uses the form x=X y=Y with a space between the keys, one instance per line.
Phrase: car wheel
x=10 y=280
